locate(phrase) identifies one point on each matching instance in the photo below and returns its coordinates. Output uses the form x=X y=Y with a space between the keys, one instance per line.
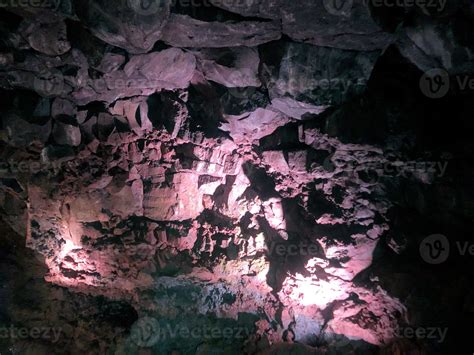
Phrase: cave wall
x=270 y=167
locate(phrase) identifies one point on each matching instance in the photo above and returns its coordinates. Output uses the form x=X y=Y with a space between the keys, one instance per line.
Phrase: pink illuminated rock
x=189 y=169
x=253 y=126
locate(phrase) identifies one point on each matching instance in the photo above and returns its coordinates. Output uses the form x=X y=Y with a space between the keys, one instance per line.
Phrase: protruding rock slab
x=124 y=23
x=184 y=31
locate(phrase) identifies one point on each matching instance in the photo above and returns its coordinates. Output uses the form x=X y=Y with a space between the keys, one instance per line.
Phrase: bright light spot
x=318 y=292
x=67 y=248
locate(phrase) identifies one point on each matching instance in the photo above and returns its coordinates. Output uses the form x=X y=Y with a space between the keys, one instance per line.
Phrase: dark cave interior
x=236 y=177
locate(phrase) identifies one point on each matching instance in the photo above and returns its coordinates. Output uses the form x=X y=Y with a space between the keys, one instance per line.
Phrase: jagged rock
x=319 y=22
x=47 y=38
x=252 y=8
x=160 y=68
x=296 y=109
x=319 y=76
x=253 y=126
x=125 y=24
x=352 y=29
x=235 y=67
x=111 y=62
x=22 y=133
x=213 y=184
x=66 y=134
x=57 y=154
x=169 y=110
x=184 y=31
x=184 y=201
x=437 y=45
x=63 y=107
x=143 y=75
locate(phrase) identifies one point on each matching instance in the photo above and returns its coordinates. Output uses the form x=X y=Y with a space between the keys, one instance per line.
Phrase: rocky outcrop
x=242 y=170
x=49 y=38
x=184 y=31
x=439 y=45
x=127 y=24
x=347 y=25
x=319 y=76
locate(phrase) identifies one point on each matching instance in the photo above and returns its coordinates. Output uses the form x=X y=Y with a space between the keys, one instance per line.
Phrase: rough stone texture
x=169 y=170
x=234 y=67
x=433 y=45
x=124 y=23
x=184 y=31
x=93 y=237
x=317 y=23
x=66 y=134
x=50 y=39
x=319 y=75
x=22 y=133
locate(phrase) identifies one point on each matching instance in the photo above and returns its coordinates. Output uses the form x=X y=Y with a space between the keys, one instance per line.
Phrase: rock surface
x=266 y=168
